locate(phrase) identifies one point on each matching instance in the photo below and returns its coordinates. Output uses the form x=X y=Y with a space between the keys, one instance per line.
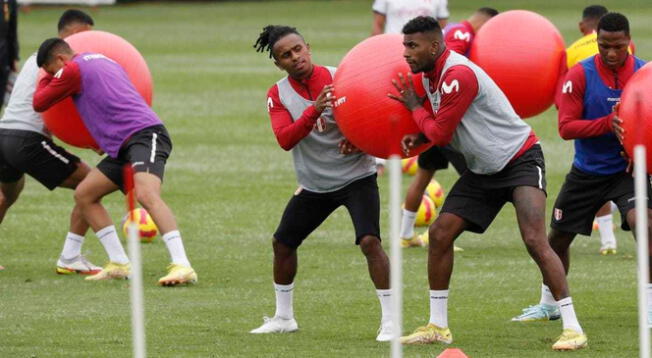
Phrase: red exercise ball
x=524 y=54
x=368 y=118
x=636 y=113
x=62 y=119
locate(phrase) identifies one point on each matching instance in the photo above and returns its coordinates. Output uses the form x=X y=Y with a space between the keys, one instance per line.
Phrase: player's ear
x=434 y=47
x=308 y=47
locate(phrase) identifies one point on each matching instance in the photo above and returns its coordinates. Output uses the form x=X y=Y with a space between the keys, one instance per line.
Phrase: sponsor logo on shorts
x=558 y=214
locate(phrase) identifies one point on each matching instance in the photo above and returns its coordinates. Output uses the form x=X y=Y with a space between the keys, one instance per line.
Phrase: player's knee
x=370 y=245
x=281 y=249
x=83 y=196
x=440 y=235
x=147 y=198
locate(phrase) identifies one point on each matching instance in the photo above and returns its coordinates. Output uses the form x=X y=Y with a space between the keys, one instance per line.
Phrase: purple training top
x=109 y=104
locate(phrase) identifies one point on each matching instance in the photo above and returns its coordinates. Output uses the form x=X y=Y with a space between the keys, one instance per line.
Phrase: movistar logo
x=464 y=36
x=270 y=104
x=567 y=88
x=448 y=88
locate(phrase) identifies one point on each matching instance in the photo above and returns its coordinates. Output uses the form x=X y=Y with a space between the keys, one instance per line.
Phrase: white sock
x=109 y=239
x=606 y=226
x=568 y=317
x=385 y=298
x=284 y=301
x=72 y=246
x=546 y=296
x=407 y=224
x=439 y=308
x=174 y=243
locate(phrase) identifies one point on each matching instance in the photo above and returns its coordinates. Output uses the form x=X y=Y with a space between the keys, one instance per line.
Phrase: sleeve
x=379 y=6
x=12 y=35
x=287 y=131
x=442 y=10
x=458 y=40
x=459 y=87
x=53 y=89
x=571 y=108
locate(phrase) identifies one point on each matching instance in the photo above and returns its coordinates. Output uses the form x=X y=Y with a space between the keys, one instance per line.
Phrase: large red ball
x=62 y=119
x=523 y=53
x=368 y=118
x=636 y=113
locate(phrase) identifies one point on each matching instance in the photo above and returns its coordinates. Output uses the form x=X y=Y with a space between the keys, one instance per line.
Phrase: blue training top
x=600 y=155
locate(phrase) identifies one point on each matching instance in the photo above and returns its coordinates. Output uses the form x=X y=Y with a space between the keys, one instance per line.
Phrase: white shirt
x=20 y=113
x=399 y=12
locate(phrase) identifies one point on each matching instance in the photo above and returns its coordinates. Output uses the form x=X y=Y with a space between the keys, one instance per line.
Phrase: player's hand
x=347 y=147
x=406 y=95
x=325 y=99
x=617 y=124
x=411 y=141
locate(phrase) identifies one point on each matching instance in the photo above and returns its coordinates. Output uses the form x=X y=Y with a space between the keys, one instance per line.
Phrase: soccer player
x=330 y=171
x=591 y=89
x=26 y=147
x=583 y=48
x=389 y=18
x=391 y=15
x=124 y=127
x=466 y=109
x=458 y=38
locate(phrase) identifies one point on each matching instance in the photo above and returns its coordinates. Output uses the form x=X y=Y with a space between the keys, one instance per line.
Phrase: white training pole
x=396 y=280
x=136 y=292
x=640 y=190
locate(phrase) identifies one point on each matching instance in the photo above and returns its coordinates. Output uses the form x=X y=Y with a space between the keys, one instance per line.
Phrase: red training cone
x=452 y=353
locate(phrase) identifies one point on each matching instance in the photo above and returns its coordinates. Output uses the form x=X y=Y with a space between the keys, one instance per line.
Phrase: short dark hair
x=614 y=22
x=489 y=11
x=49 y=48
x=421 y=24
x=72 y=16
x=271 y=34
x=594 y=12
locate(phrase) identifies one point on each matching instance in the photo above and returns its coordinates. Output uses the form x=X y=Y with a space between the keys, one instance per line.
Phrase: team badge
x=320 y=125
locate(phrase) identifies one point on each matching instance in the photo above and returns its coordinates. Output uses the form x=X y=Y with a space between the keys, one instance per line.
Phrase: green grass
x=228 y=182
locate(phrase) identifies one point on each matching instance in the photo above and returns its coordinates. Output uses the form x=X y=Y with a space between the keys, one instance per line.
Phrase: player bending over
x=124 y=127
x=26 y=147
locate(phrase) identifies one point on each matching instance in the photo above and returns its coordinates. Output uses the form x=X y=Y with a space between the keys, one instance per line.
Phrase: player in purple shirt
x=129 y=132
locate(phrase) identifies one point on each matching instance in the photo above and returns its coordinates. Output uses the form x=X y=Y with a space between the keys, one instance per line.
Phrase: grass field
x=228 y=182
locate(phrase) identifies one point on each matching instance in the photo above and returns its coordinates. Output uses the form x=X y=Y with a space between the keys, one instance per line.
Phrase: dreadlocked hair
x=271 y=34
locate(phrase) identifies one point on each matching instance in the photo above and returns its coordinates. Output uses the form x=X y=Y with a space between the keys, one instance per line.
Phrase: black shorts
x=583 y=194
x=23 y=151
x=146 y=150
x=478 y=198
x=307 y=210
x=436 y=158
